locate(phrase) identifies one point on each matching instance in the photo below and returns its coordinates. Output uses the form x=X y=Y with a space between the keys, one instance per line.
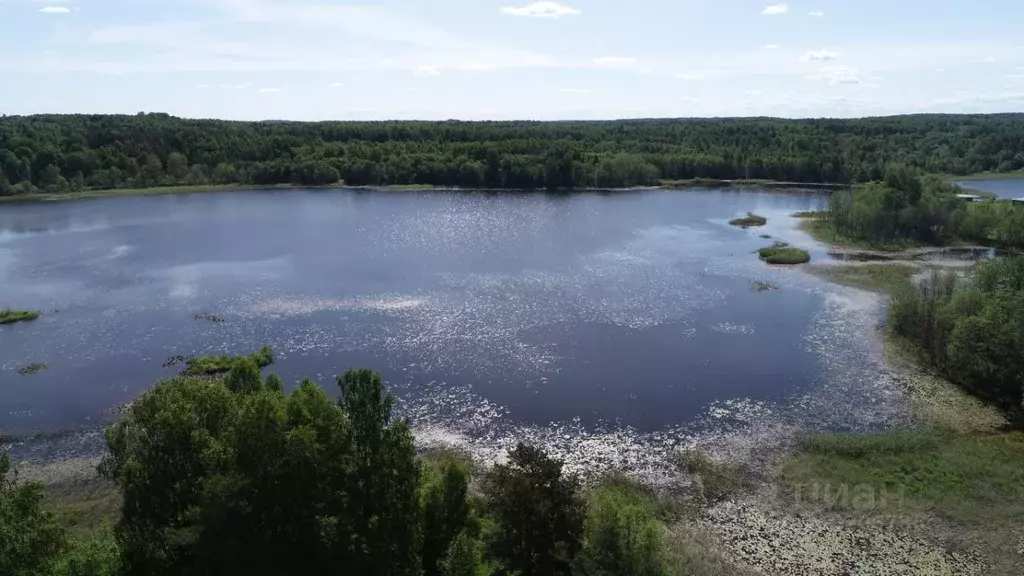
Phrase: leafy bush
x=213 y=365
x=621 y=535
x=30 y=539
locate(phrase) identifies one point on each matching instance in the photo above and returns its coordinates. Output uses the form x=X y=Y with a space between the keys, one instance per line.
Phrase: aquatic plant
x=32 y=368
x=8 y=316
x=783 y=253
x=749 y=221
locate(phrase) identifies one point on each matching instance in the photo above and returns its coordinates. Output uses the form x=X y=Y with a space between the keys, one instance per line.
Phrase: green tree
x=622 y=536
x=463 y=557
x=445 y=514
x=30 y=538
x=385 y=495
x=538 y=510
x=177 y=166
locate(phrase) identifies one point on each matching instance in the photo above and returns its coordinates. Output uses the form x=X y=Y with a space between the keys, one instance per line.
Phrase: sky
x=510 y=59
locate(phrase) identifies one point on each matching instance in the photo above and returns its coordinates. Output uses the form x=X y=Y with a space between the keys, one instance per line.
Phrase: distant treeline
x=62 y=153
x=906 y=206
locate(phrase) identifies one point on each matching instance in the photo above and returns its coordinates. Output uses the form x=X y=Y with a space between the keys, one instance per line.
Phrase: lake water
x=1013 y=188
x=589 y=320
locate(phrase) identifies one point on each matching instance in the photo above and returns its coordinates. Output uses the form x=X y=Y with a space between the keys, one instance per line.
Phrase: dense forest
x=235 y=476
x=907 y=207
x=971 y=328
x=64 y=153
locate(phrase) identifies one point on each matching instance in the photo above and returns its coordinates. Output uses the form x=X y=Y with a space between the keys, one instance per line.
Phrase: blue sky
x=502 y=59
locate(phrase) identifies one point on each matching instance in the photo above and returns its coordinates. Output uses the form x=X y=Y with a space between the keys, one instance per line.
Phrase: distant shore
x=203 y=188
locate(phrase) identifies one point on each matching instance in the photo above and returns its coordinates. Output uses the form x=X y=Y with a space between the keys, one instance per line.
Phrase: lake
x=603 y=323
x=1012 y=188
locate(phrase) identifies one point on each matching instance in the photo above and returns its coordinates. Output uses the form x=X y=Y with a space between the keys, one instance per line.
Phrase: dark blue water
x=604 y=309
x=1001 y=188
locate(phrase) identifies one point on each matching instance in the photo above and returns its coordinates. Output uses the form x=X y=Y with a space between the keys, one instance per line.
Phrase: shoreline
x=208 y=188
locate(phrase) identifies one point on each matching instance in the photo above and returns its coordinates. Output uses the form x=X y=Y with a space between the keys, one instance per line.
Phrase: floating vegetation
x=751 y=220
x=765 y=236
x=212 y=365
x=8 y=316
x=175 y=360
x=33 y=368
x=783 y=253
x=762 y=286
x=208 y=317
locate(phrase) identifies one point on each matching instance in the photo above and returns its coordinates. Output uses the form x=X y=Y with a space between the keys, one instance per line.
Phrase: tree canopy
x=60 y=153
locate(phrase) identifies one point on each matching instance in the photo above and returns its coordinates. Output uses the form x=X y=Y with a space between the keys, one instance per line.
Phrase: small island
x=783 y=253
x=751 y=220
x=216 y=365
x=33 y=368
x=9 y=316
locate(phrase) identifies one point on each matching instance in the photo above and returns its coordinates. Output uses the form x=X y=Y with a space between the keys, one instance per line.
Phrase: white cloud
x=269 y=90
x=337 y=84
x=819 y=56
x=615 y=61
x=770 y=47
x=690 y=76
x=1016 y=76
x=989 y=60
x=775 y=10
x=426 y=71
x=837 y=75
x=542 y=9
x=575 y=90
x=55 y=10
x=816 y=14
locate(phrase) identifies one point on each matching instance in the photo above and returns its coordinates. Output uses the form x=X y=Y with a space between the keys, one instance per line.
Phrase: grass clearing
x=213 y=365
x=751 y=220
x=718 y=480
x=782 y=253
x=972 y=478
x=883 y=278
x=8 y=316
x=84 y=507
x=822 y=231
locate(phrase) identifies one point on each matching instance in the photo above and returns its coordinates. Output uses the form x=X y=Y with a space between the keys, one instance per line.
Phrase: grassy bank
x=716 y=183
x=989 y=176
x=883 y=278
x=822 y=231
x=970 y=478
x=9 y=316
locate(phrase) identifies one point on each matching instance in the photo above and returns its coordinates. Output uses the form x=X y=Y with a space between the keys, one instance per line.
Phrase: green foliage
x=972 y=330
x=539 y=513
x=782 y=253
x=445 y=513
x=909 y=208
x=60 y=154
x=248 y=480
x=622 y=535
x=30 y=539
x=213 y=365
x=463 y=557
x=905 y=471
x=9 y=316
x=95 y=554
x=751 y=220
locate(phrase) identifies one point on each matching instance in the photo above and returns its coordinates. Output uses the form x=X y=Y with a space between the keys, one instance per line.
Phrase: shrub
x=782 y=253
x=622 y=536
